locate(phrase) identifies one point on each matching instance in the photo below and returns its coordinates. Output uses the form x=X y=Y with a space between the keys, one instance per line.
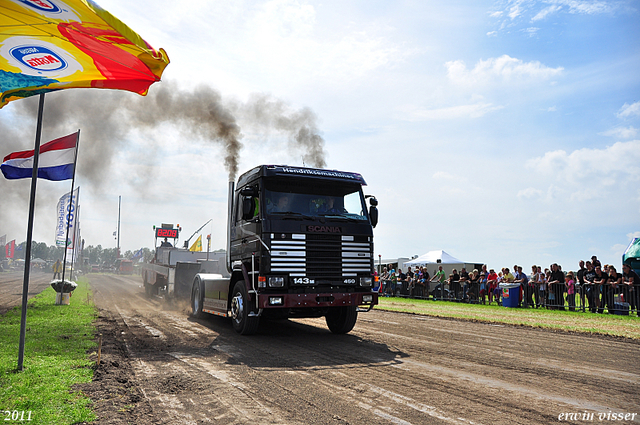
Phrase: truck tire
x=240 y=308
x=197 y=299
x=341 y=320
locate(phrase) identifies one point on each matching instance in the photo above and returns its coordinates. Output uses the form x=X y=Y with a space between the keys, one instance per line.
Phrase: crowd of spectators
x=597 y=287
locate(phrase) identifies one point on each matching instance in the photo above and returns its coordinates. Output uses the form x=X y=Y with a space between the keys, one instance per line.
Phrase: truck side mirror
x=248 y=207
x=373 y=211
x=249 y=191
x=373 y=215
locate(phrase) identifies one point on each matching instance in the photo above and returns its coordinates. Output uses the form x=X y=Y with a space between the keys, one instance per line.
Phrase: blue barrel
x=510 y=294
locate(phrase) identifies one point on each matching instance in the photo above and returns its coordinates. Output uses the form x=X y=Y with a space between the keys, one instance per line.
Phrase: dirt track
x=161 y=367
x=11 y=287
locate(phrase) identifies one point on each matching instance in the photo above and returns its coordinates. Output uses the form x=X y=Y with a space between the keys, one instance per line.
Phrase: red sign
x=166 y=233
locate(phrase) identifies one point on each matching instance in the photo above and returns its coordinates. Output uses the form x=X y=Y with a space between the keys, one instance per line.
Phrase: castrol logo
x=42 y=5
x=38 y=58
x=53 y=9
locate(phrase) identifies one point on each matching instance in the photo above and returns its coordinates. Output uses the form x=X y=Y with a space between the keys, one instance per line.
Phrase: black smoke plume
x=267 y=114
x=107 y=118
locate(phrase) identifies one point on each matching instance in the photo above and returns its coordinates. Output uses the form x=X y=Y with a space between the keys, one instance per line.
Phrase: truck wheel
x=240 y=308
x=341 y=320
x=150 y=290
x=197 y=299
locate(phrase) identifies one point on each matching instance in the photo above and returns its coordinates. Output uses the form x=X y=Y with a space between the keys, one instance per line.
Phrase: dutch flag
x=55 y=162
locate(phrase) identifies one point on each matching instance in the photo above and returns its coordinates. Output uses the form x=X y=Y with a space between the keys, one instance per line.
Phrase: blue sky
x=501 y=132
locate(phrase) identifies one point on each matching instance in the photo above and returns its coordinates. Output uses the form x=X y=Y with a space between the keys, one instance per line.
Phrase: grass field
x=605 y=324
x=56 y=344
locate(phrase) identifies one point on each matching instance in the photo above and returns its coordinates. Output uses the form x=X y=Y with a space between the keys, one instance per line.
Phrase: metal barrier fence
x=619 y=299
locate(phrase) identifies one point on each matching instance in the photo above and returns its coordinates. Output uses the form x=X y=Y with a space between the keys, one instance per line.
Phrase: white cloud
x=492 y=33
x=475 y=110
x=443 y=175
x=618 y=250
x=284 y=42
x=545 y=12
x=515 y=9
x=287 y=18
x=629 y=111
x=588 y=7
x=529 y=10
x=532 y=31
x=621 y=132
x=590 y=170
x=356 y=54
x=501 y=69
x=552 y=109
x=529 y=193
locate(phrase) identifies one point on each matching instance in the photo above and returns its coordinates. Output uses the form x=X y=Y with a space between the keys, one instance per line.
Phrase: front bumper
x=340 y=299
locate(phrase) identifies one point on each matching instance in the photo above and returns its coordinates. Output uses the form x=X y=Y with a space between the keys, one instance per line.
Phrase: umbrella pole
x=27 y=254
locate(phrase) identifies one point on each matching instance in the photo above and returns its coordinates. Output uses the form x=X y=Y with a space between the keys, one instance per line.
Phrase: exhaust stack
x=229 y=217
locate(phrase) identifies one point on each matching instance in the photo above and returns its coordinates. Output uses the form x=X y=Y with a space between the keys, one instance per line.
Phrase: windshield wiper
x=293 y=215
x=338 y=216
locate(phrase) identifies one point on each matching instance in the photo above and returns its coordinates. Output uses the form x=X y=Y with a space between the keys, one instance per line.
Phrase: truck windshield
x=336 y=201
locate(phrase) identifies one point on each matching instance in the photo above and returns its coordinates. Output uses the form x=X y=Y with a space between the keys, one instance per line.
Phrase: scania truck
x=299 y=244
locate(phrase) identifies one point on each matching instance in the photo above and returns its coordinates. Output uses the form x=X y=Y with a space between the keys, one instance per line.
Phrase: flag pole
x=73 y=181
x=27 y=254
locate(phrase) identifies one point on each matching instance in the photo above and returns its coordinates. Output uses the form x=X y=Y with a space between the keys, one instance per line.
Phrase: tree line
x=91 y=254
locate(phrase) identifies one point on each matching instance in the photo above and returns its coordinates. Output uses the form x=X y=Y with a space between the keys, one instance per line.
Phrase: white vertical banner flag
x=73 y=249
x=66 y=212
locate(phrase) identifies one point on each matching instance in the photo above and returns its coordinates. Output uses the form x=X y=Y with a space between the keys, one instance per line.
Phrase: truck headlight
x=276 y=281
x=365 y=281
x=367 y=298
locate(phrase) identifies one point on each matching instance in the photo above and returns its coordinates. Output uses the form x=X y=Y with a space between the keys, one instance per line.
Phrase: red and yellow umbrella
x=48 y=45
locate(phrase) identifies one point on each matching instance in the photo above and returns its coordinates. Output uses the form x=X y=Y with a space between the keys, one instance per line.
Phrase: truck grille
x=321 y=257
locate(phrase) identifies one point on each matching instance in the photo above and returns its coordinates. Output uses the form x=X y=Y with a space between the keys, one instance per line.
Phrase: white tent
x=432 y=260
x=434 y=257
